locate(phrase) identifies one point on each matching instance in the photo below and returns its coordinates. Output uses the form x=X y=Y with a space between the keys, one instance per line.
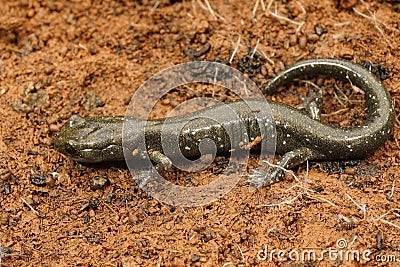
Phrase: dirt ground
x=60 y=58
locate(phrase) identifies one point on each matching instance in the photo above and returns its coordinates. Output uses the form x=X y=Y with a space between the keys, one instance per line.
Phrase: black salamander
x=299 y=136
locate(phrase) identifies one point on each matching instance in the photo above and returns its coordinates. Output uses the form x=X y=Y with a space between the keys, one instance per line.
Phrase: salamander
x=300 y=136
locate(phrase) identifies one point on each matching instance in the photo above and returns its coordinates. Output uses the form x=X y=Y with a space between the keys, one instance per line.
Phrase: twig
x=341 y=24
x=241 y=252
x=335 y=112
x=210 y=9
x=287 y=202
x=298 y=185
x=385 y=214
x=397 y=143
x=301 y=7
x=156 y=4
x=267 y=58
x=361 y=207
x=214 y=82
x=194 y=8
x=255 y=9
x=235 y=50
x=323 y=200
x=255 y=49
x=396 y=212
x=392 y=191
x=343 y=95
x=270 y=4
x=375 y=23
x=262 y=5
x=277 y=16
x=283 y=169
x=246 y=91
x=312 y=84
x=307 y=172
x=39 y=214
x=390 y=223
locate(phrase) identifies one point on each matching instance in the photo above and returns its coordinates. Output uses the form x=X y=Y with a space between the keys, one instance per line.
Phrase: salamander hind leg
x=276 y=173
x=312 y=104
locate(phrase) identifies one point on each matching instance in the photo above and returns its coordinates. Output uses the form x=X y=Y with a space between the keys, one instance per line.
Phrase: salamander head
x=92 y=140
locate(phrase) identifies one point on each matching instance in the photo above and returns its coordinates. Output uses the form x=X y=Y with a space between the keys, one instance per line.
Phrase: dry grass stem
x=300 y=184
x=255 y=49
x=362 y=207
x=301 y=7
x=235 y=50
x=375 y=22
x=208 y=8
x=255 y=9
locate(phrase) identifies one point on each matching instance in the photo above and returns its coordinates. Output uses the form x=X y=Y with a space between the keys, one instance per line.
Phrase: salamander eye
x=70 y=149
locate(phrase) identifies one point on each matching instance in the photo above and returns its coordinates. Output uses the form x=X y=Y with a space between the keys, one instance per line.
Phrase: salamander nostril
x=70 y=149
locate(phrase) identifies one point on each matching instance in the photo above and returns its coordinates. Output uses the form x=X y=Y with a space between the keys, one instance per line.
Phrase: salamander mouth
x=87 y=153
x=95 y=155
x=70 y=149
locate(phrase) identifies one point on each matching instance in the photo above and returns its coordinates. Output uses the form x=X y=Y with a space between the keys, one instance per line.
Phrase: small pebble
x=31 y=13
x=32 y=153
x=318 y=189
x=99 y=182
x=93 y=50
x=396 y=8
x=177 y=7
x=5 y=250
x=152 y=210
x=347 y=4
x=174 y=29
x=21 y=107
x=135 y=152
x=49 y=69
x=52 y=120
x=63 y=179
x=38 y=179
x=286 y=44
x=319 y=30
x=293 y=40
x=50 y=181
x=203 y=38
x=7 y=189
x=4 y=219
x=195 y=258
x=54 y=128
x=351 y=171
x=133 y=219
x=92 y=213
x=303 y=42
x=145 y=254
x=347 y=56
x=313 y=38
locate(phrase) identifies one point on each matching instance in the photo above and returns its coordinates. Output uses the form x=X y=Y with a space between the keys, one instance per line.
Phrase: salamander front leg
x=163 y=163
x=144 y=173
